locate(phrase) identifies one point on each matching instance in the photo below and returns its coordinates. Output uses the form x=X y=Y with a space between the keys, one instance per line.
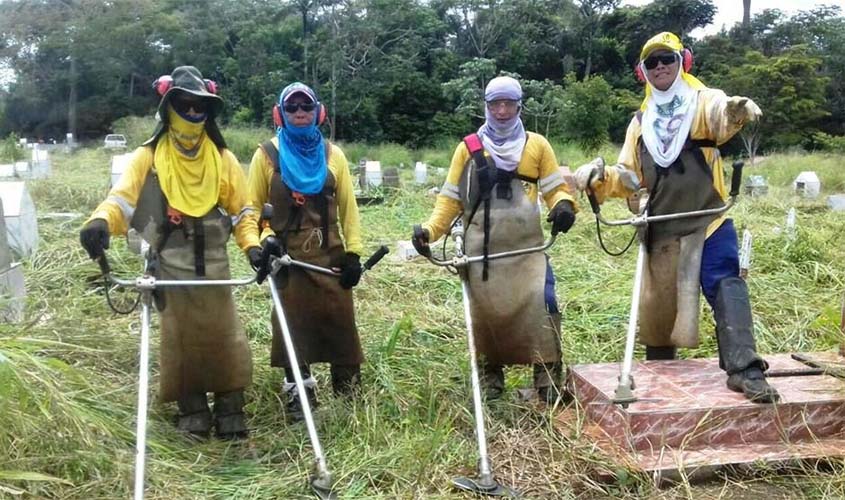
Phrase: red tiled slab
x=685 y=412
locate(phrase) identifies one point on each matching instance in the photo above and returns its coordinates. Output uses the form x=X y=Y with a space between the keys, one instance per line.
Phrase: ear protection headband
x=279 y=121
x=165 y=82
x=686 y=60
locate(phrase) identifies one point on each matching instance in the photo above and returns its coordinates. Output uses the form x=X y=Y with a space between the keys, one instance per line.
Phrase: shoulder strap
x=272 y=153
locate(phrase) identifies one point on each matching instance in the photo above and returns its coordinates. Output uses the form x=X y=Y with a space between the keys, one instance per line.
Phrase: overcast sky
x=730 y=11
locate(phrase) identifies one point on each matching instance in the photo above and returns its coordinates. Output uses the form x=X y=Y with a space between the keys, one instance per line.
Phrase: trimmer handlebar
x=150 y=283
x=461 y=260
x=643 y=220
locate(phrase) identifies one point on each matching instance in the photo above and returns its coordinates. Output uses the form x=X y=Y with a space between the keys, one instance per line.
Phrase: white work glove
x=592 y=173
x=742 y=110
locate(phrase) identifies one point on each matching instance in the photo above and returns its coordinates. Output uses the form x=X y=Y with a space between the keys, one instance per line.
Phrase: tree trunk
x=746 y=14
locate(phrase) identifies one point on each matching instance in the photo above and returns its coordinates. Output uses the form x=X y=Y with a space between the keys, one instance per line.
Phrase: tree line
x=410 y=71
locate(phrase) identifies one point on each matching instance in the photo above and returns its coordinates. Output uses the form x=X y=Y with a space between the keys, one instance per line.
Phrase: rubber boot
x=346 y=379
x=229 y=421
x=492 y=378
x=293 y=408
x=735 y=338
x=653 y=352
x=194 y=416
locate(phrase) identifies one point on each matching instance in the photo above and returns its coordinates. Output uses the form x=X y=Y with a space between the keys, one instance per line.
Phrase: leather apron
x=509 y=316
x=203 y=344
x=320 y=314
x=670 y=294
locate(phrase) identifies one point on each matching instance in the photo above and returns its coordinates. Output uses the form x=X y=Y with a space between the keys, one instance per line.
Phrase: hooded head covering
x=668 y=114
x=503 y=140
x=302 y=151
x=187 y=148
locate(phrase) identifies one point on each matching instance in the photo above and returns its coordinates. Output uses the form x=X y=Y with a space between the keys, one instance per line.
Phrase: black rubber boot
x=660 y=352
x=735 y=338
x=346 y=379
x=293 y=408
x=194 y=416
x=229 y=421
x=492 y=378
x=752 y=382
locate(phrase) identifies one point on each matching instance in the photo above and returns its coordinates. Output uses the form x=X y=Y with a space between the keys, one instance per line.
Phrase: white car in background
x=114 y=141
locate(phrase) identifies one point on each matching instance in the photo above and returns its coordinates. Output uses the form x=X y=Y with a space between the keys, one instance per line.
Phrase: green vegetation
x=68 y=372
x=410 y=71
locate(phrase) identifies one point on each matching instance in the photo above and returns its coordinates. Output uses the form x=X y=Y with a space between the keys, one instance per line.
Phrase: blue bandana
x=302 y=152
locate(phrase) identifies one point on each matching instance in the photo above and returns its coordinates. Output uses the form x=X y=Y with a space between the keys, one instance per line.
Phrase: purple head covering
x=503 y=140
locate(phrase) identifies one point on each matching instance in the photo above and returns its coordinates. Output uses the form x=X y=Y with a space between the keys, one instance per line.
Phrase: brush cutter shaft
x=630 y=337
x=143 y=386
x=320 y=459
x=484 y=468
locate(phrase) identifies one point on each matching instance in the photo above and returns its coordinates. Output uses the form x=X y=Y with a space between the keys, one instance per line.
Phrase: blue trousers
x=549 y=290
x=720 y=260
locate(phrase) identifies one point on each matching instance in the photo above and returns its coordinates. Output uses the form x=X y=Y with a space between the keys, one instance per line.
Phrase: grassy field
x=68 y=372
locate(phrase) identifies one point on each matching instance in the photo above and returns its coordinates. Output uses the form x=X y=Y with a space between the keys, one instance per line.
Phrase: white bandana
x=667 y=120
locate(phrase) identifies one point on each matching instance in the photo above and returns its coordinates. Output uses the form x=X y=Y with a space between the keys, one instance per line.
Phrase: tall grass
x=68 y=372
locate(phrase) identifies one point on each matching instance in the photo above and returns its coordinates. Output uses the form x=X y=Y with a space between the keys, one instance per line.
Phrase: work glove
x=94 y=237
x=269 y=247
x=742 y=110
x=562 y=216
x=420 y=241
x=350 y=271
x=590 y=173
x=254 y=255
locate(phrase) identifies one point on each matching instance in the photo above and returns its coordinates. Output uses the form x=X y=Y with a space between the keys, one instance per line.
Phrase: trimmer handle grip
x=594 y=203
x=266 y=215
x=376 y=257
x=736 y=177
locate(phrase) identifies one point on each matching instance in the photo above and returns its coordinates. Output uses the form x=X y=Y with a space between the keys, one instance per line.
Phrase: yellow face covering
x=189 y=166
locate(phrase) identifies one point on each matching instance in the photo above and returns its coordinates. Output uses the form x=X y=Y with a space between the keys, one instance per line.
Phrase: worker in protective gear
x=185 y=193
x=493 y=185
x=671 y=150
x=306 y=179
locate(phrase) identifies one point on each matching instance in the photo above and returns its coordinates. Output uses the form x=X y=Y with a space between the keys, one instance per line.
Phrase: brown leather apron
x=320 y=314
x=670 y=294
x=203 y=345
x=510 y=320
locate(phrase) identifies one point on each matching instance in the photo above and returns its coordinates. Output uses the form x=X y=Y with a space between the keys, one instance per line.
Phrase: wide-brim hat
x=189 y=80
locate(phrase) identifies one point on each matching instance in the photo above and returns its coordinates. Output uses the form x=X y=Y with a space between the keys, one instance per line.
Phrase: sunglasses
x=651 y=61
x=183 y=105
x=506 y=103
x=293 y=107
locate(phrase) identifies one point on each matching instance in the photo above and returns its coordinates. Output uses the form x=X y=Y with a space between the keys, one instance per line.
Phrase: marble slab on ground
x=685 y=417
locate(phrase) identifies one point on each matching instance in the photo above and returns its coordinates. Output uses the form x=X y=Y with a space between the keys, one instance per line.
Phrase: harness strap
x=199 y=246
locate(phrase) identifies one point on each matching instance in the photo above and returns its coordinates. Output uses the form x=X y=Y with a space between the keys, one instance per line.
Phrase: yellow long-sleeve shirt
x=538 y=162
x=120 y=204
x=711 y=122
x=261 y=171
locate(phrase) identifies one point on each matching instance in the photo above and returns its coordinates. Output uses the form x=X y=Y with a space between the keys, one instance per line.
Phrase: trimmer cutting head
x=322 y=486
x=489 y=487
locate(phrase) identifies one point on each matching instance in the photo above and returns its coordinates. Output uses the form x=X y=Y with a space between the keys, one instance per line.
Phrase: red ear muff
x=210 y=85
x=321 y=114
x=277 y=116
x=687 y=60
x=638 y=71
x=162 y=84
